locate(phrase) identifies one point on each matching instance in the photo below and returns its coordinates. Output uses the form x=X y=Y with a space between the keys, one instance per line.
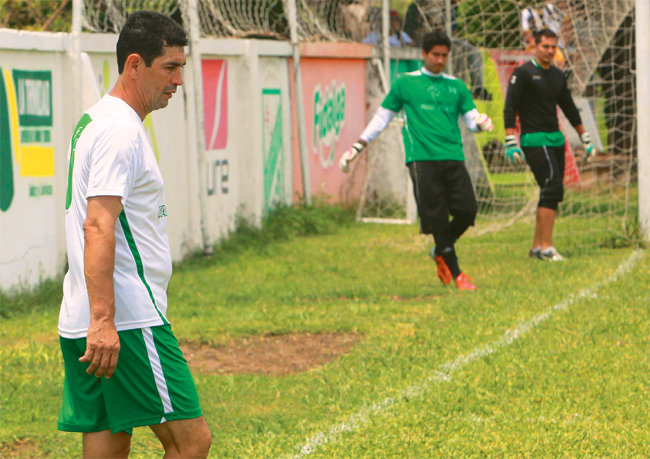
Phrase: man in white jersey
x=123 y=365
x=432 y=102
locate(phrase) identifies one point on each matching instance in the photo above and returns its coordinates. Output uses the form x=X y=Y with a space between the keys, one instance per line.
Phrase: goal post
x=643 y=112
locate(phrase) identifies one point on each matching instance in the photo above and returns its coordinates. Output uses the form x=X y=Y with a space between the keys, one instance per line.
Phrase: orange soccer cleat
x=464 y=282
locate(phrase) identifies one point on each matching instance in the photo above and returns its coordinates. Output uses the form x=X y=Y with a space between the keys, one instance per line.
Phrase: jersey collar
x=537 y=64
x=430 y=73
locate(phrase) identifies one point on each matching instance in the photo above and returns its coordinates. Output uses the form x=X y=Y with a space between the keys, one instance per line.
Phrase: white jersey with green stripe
x=110 y=155
x=432 y=105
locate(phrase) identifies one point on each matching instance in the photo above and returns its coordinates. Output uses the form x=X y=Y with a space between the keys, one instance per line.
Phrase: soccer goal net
x=597 y=46
x=110 y=15
x=597 y=42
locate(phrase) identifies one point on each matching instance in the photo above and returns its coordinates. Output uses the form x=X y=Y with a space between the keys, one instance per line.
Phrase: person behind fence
x=549 y=17
x=397 y=36
x=432 y=102
x=535 y=90
x=123 y=365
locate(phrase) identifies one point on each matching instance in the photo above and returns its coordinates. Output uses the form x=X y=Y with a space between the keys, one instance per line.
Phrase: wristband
x=358 y=146
x=511 y=141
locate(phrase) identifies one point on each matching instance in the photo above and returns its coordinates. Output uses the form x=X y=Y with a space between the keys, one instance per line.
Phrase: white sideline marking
x=354 y=421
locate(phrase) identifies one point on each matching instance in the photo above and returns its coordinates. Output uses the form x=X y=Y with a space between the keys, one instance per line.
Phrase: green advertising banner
x=34 y=94
x=6 y=163
x=272 y=147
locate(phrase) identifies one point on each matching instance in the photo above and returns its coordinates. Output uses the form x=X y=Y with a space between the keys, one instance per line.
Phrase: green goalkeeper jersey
x=432 y=105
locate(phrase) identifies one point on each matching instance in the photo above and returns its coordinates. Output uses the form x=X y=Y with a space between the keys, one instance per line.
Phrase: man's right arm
x=102 y=343
x=379 y=122
x=389 y=107
x=513 y=99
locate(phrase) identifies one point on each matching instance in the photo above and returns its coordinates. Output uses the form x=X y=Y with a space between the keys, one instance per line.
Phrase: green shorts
x=152 y=384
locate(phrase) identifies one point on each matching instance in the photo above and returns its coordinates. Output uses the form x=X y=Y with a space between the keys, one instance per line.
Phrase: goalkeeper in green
x=432 y=102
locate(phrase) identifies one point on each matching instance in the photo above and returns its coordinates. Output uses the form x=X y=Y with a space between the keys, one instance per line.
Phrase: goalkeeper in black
x=535 y=90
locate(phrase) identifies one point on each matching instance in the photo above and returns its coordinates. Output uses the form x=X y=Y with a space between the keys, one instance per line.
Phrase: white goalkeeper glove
x=484 y=123
x=514 y=155
x=349 y=156
x=590 y=151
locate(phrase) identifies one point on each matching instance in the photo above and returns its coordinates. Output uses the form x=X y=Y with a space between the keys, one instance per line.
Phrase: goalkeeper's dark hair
x=435 y=38
x=546 y=32
x=146 y=33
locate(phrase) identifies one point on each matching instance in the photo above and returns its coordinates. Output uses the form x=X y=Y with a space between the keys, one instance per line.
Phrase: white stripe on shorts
x=154 y=360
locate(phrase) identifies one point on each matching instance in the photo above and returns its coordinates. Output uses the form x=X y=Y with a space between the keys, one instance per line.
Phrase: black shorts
x=547 y=165
x=442 y=188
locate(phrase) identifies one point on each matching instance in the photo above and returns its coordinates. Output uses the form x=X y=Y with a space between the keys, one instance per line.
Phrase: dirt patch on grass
x=19 y=448
x=271 y=354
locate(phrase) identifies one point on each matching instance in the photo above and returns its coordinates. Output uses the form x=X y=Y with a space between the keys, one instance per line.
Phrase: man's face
x=436 y=59
x=394 y=24
x=545 y=50
x=160 y=81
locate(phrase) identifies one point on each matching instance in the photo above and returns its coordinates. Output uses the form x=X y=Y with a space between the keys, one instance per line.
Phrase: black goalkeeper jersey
x=534 y=93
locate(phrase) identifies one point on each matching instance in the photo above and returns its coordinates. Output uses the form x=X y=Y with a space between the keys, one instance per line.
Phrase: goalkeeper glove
x=590 y=151
x=484 y=123
x=514 y=155
x=349 y=156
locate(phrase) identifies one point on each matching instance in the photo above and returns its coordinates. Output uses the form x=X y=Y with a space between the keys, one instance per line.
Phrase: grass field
x=544 y=359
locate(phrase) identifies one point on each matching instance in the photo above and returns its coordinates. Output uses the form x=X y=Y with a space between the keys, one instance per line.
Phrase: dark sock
x=458 y=226
x=449 y=255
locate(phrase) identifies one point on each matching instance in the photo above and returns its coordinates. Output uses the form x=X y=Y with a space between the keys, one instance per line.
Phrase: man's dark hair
x=437 y=37
x=546 y=32
x=146 y=33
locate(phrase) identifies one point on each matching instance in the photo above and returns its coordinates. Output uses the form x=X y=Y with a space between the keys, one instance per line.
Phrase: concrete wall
x=34 y=125
x=225 y=149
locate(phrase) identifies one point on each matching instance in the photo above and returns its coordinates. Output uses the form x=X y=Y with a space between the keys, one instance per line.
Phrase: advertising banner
x=335 y=106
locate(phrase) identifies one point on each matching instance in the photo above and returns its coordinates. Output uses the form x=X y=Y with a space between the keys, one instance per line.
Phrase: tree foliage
x=51 y=15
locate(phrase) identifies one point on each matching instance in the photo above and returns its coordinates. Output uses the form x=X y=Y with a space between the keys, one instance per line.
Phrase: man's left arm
x=568 y=106
x=475 y=121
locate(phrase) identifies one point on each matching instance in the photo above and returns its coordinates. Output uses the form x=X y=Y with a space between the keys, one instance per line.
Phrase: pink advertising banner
x=334 y=93
x=215 y=103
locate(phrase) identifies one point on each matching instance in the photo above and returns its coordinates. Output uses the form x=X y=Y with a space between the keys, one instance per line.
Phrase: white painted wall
x=32 y=237
x=235 y=172
x=32 y=234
